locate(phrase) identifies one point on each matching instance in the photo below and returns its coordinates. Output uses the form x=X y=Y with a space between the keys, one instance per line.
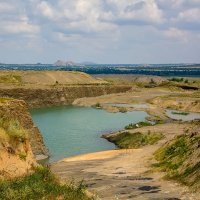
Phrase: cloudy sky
x=102 y=31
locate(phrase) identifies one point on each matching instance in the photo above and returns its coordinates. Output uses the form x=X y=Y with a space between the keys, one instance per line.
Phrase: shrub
x=122 y=110
x=98 y=105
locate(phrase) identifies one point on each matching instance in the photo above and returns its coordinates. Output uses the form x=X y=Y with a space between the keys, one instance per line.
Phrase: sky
x=101 y=31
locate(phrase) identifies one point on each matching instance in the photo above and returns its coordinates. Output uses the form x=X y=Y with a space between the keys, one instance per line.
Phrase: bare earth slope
x=47 y=77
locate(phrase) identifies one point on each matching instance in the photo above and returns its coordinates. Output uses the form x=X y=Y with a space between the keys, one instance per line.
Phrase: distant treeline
x=158 y=70
x=140 y=71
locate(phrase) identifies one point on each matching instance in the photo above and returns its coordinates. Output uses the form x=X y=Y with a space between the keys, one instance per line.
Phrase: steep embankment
x=20 y=140
x=43 y=97
x=42 y=89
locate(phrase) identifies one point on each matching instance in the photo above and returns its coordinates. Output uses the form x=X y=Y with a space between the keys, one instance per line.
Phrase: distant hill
x=47 y=78
x=61 y=63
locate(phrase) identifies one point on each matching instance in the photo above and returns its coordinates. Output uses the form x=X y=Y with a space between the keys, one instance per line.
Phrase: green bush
x=41 y=185
x=98 y=105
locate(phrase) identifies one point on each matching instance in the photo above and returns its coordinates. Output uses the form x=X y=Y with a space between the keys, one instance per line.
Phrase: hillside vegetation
x=180 y=158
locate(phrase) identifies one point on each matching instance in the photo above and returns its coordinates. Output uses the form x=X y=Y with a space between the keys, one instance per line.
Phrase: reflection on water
x=70 y=130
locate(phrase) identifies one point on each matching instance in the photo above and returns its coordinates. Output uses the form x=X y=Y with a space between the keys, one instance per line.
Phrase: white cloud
x=19 y=27
x=5 y=7
x=145 y=11
x=177 y=34
x=101 y=24
x=46 y=9
x=191 y=15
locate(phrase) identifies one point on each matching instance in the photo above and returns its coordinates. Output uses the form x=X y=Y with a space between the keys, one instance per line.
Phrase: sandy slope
x=47 y=77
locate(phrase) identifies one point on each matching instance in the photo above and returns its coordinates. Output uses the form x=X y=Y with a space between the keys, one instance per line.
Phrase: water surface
x=70 y=130
x=188 y=117
x=124 y=105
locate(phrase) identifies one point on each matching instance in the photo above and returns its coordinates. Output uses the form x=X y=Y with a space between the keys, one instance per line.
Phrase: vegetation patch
x=122 y=110
x=41 y=185
x=98 y=105
x=13 y=128
x=128 y=140
x=176 y=79
x=138 y=125
x=10 y=78
x=180 y=160
x=23 y=156
x=180 y=113
x=4 y=100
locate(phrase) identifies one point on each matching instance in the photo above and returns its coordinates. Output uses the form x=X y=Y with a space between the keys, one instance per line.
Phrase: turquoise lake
x=70 y=130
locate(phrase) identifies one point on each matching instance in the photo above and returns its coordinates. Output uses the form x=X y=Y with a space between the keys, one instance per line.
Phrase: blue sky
x=102 y=31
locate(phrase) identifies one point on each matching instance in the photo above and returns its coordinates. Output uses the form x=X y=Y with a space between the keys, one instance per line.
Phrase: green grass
x=173 y=158
x=41 y=185
x=180 y=113
x=138 y=125
x=128 y=140
x=13 y=128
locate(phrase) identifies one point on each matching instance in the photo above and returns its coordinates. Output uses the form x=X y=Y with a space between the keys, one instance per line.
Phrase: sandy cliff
x=49 y=88
x=20 y=140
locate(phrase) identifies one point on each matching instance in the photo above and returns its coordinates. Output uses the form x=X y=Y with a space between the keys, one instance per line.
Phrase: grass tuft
x=41 y=185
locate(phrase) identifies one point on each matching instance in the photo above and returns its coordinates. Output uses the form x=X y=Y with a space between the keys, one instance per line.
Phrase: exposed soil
x=124 y=174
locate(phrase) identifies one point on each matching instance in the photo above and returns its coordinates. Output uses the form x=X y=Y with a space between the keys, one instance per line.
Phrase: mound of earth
x=47 y=77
